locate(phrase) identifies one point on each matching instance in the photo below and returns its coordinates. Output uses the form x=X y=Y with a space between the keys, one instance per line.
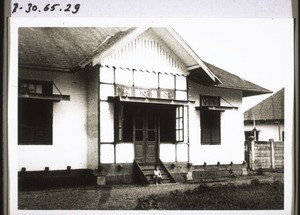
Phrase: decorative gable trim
x=110 y=45
x=147 y=52
x=200 y=63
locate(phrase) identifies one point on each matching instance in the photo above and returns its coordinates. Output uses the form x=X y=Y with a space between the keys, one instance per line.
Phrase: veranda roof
x=232 y=81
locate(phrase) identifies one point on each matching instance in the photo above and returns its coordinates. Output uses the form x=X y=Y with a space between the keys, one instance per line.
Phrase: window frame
x=179 y=120
x=178 y=129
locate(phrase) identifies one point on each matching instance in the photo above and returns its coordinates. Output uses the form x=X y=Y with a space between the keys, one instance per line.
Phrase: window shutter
x=210 y=127
x=215 y=127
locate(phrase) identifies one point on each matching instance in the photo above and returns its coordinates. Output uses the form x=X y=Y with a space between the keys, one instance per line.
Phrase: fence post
x=272 y=153
x=251 y=151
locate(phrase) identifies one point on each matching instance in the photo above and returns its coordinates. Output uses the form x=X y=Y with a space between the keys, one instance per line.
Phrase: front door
x=145 y=135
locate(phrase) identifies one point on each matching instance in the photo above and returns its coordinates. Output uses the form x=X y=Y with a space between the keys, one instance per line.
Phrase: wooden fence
x=264 y=154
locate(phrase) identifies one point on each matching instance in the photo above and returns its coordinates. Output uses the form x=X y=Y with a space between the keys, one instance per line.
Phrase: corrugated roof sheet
x=272 y=108
x=232 y=81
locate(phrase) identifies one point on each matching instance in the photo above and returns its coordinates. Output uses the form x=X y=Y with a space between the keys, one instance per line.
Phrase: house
x=267 y=118
x=119 y=100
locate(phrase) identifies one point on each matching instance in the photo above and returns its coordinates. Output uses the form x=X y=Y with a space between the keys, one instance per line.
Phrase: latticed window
x=209 y=101
x=35 y=87
x=179 y=124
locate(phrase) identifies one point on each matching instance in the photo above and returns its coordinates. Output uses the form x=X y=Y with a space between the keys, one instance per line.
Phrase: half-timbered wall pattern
x=142 y=84
x=143 y=68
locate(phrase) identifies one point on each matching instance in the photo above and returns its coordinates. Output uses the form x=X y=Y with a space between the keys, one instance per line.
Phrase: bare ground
x=117 y=197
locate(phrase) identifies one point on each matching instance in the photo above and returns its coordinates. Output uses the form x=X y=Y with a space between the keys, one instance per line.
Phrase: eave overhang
x=216 y=108
x=144 y=100
x=53 y=97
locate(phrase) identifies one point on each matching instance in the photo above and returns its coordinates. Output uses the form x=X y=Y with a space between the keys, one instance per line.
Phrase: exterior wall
x=69 y=146
x=118 y=173
x=110 y=152
x=92 y=118
x=232 y=134
x=267 y=131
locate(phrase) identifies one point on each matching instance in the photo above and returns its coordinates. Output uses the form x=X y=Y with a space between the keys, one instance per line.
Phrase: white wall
x=232 y=133
x=69 y=126
x=267 y=131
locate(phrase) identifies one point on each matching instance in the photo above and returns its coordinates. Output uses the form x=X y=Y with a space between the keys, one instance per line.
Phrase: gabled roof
x=69 y=49
x=270 y=109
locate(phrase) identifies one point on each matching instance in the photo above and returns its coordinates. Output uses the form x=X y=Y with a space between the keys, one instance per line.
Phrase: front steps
x=147 y=171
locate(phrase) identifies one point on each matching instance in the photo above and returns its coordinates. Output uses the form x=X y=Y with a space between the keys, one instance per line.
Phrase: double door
x=145 y=132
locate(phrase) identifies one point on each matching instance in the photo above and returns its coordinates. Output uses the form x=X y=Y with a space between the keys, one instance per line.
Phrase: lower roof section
x=231 y=81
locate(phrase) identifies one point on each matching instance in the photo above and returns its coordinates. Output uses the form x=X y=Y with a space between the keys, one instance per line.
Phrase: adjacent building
x=267 y=118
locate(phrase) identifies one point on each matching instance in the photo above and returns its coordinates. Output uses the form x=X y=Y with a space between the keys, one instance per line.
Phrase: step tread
x=148 y=168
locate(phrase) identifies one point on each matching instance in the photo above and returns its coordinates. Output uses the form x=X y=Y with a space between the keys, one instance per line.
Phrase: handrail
x=140 y=175
x=172 y=179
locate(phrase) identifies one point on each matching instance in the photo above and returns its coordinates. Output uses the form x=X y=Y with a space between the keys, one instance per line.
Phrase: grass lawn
x=222 y=197
x=259 y=195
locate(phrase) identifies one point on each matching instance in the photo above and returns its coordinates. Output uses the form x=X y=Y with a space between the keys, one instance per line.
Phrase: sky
x=258 y=50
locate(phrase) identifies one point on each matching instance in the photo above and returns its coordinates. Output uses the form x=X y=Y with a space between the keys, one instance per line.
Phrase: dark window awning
x=42 y=90
x=53 y=97
x=148 y=100
x=216 y=108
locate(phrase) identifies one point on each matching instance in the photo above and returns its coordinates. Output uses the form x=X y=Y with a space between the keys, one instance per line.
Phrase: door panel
x=151 y=140
x=145 y=136
x=139 y=138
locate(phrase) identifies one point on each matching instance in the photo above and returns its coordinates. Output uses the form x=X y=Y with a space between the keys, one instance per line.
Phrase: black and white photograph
x=183 y=116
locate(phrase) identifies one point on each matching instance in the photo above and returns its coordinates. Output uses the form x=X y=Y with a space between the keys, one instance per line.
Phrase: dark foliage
x=150 y=203
x=256 y=196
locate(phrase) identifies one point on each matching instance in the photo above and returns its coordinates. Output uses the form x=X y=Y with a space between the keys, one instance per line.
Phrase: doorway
x=145 y=133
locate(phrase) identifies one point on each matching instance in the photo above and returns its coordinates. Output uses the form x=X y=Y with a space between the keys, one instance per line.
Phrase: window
x=35 y=87
x=124 y=123
x=209 y=101
x=179 y=124
x=210 y=127
x=35 y=122
x=167 y=125
x=35 y=115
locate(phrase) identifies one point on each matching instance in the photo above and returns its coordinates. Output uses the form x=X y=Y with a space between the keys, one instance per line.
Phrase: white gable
x=146 y=52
